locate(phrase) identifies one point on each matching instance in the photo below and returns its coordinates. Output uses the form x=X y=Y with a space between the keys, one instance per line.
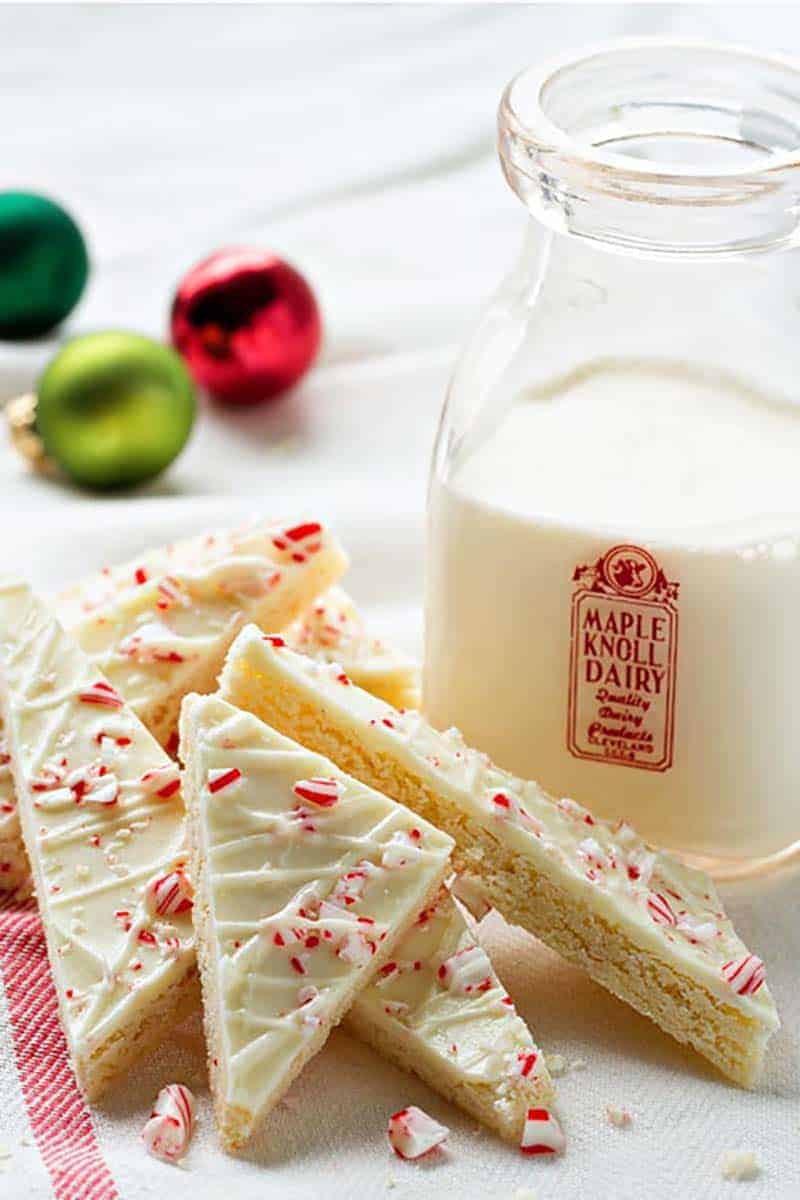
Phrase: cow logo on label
x=623 y=658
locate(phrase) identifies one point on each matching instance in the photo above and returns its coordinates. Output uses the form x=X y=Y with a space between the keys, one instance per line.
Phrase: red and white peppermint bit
x=273 y=639
x=92 y=784
x=170 y=594
x=170 y=894
x=322 y=792
x=101 y=693
x=356 y=948
x=509 y=807
x=223 y=778
x=402 y=848
x=466 y=972
x=542 y=1133
x=297 y=543
x=169 y=1130
x=51 y=775
x=153 y=642
x=745 y=975
x=161 y=781
x=575 y=811
x=525 y=1066
x=102 y=793
x=413 y=1133
x=660 y=909
x=349 y=889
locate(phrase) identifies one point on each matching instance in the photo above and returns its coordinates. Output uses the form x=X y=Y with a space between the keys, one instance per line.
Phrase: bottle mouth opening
x=660 y=108
x=659 y=145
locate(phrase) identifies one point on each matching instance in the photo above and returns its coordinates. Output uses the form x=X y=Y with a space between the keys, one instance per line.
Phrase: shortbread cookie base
x=510 y=883
x=178 y=1001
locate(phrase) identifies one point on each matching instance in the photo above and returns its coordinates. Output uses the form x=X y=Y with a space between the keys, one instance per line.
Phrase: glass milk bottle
x=613 y=575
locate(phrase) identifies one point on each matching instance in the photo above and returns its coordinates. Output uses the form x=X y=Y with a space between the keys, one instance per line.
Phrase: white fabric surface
x=357 y=142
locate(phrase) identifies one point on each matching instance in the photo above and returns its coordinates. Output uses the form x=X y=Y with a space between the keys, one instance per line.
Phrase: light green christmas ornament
x=111 y=410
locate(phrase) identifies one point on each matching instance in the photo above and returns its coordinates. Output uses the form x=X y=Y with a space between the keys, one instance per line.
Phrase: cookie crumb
x=618 y=1116
x=739 y=1164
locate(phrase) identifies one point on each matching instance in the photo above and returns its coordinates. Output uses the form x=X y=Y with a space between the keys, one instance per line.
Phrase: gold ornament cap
x=21 y=417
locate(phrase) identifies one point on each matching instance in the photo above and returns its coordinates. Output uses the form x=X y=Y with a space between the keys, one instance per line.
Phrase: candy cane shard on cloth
x=159 y=626
x=168 y=1130
x=413 y=1134
x=104 y=848
x=648 y=928
x=296 y=906
x=438 y=1009
x=333 y=631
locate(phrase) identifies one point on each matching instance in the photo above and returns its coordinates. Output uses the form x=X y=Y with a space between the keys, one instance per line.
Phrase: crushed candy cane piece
x=739 y=1164
x=101 y=693
x=161 y=781
x=660 y=909
x=297 y=543
x=322 y=792
x=170 y=894
x=169 y=1129
x=413 y=1133
x=152 y=642
x=542 y=1133
x=745 y=975
x=525 y=1065
x=401 y=849
x=223 y=778
x=466 y=972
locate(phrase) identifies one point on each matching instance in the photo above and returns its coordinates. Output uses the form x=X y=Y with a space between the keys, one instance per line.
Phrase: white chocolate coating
x=298 y=902
x=178 y=609
x=97 y=833
x=158 y=626
x=661 y=904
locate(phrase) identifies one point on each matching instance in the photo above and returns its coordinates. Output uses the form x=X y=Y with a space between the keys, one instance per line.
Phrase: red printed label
x=623 y=655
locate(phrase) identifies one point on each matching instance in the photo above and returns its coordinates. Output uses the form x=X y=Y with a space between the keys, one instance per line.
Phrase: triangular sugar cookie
x=103 y=822
x=650 y=929
x=438 y=1009
x=305 y=881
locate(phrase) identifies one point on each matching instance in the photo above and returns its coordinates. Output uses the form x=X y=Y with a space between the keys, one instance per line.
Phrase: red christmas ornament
x=247 y=325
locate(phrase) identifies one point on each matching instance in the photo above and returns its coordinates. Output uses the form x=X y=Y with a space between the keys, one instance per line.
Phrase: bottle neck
x=759 y=216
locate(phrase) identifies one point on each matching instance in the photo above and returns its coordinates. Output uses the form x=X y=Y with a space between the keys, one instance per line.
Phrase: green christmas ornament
x=111 y=410
x=43 y=265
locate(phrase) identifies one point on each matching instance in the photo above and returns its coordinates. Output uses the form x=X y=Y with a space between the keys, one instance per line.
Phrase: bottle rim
x=711 y=143
x=542 y=132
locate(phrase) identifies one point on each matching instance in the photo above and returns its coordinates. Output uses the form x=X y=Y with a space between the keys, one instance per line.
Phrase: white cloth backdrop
x=359 y=143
